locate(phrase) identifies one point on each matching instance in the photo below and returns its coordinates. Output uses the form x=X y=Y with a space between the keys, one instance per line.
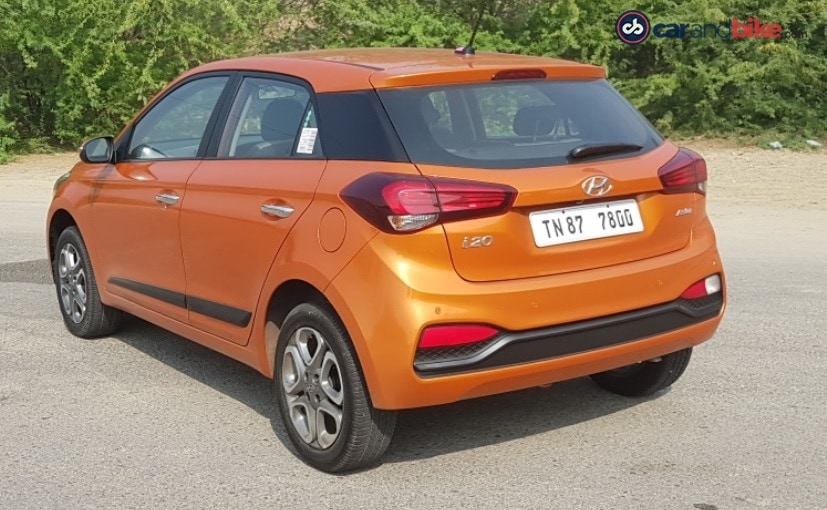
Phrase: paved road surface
x=147 y=419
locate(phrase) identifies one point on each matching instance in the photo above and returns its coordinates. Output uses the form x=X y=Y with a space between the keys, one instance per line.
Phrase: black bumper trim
x=515 y=347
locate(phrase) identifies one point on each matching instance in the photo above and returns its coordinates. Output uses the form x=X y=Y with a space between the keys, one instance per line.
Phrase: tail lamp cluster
x=685 y=173
x=398 y=203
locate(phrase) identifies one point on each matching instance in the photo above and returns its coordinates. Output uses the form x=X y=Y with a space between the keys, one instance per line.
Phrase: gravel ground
x=146 y=419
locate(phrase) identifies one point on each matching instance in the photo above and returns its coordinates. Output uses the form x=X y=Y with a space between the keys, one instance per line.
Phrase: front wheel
x=77 y=291
x=646 y=378
x=322 y=397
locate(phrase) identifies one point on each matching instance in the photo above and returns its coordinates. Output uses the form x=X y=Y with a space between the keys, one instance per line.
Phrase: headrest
x=281 y=119
x=429 y=111
x=535 y=120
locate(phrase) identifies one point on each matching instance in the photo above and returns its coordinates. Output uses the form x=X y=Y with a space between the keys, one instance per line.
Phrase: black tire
x=74 y=282
x=642 y=379
x=364 y=433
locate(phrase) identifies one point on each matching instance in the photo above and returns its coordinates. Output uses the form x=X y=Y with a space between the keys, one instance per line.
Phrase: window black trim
x=218 y=122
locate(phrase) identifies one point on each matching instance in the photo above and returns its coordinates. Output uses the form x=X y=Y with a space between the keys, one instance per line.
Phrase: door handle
x=167 y=198
x=279 y=211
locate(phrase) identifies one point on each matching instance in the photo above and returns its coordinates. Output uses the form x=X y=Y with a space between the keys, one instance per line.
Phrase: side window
x=270 y=118
x=175 y=126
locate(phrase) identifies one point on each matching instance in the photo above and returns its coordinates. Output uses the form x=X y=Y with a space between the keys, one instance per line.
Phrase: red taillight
x=706 y=287
x=685 y=173
x=520 y=74
x=410 y=197
x=455 y=334
x=408 y=203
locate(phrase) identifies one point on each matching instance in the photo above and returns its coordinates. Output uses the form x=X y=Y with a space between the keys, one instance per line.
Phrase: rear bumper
x=557 y=328
x=512 y=348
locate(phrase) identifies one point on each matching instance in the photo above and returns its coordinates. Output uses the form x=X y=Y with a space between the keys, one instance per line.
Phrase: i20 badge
x=477 y=241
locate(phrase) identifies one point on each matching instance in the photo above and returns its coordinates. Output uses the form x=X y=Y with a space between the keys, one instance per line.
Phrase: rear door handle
x=279 y=211
x=167 y=198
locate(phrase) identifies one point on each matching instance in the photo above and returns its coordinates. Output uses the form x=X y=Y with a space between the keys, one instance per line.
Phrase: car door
x=137 y=205
x=240 y=205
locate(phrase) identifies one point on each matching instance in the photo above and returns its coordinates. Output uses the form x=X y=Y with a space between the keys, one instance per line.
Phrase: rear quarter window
x=354 y=126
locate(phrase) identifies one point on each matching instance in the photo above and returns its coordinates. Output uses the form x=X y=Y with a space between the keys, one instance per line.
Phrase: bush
x=8 y=133
x=77 y=68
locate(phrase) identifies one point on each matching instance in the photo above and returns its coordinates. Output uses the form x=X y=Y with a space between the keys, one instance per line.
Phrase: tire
x=77 y=291
x=646 y=378
x=317 y=374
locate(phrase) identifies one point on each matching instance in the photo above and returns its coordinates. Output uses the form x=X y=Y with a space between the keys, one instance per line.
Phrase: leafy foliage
x=75 y=68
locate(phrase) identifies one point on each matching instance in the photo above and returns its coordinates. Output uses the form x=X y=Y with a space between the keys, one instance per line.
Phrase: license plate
x=584 y=222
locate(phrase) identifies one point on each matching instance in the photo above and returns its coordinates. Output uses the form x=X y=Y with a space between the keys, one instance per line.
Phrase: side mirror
x=97 y=150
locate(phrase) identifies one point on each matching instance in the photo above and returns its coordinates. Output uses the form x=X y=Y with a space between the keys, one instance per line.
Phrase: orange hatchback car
x=382 y=229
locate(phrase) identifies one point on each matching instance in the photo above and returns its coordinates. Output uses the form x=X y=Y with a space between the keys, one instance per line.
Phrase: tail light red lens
x=520 y=74
x=706 y=287
x=408 y=203
x=685 y=173
x=450 y=335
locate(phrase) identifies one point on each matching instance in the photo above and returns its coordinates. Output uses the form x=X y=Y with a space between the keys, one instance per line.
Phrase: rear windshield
x=512 y=124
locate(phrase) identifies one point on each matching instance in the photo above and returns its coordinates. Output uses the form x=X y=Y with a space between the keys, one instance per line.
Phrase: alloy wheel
x=73 y=285
x=311 y=380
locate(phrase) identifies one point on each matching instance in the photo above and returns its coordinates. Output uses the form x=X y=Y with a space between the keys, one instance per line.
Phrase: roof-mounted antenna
x=469 y=49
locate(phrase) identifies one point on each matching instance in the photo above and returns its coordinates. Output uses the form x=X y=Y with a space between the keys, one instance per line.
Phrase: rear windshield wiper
x=588 y=150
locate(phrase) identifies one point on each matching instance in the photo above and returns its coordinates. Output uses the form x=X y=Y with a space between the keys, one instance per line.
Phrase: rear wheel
x=645 y=378
x=322 y=396
x=77 y=291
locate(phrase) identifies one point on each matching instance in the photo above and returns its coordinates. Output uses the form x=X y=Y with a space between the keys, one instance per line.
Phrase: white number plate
x=583 y=222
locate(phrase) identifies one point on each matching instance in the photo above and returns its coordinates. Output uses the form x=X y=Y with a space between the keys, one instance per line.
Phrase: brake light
x=706 y=287
x=408 y=203
x=520 y=74
x=455 y=334
x=685 y=173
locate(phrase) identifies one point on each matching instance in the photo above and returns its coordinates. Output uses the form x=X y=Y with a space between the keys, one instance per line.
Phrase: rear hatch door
x=575 y=209
x=555 y=227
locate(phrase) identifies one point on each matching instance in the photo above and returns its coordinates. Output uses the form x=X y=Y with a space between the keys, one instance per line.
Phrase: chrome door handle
x=279 y=211
x=167 y=198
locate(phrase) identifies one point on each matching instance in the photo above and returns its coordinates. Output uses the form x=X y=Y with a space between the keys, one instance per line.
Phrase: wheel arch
x=292 y=293
x=284 y=298
x=61 y=220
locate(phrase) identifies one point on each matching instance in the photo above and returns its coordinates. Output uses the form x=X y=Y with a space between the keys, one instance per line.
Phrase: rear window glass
x=513 y=124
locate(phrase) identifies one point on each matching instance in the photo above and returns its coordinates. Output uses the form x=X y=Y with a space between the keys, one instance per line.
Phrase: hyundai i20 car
x=385 y=229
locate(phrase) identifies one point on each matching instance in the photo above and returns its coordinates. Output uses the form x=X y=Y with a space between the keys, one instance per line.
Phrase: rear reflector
x=520 y=74
x=455 y=334
x=685 y=173
x=398 y=203
x=703 y=288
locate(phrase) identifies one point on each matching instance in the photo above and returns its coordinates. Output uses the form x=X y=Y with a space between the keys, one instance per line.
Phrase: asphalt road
x=148 y=419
